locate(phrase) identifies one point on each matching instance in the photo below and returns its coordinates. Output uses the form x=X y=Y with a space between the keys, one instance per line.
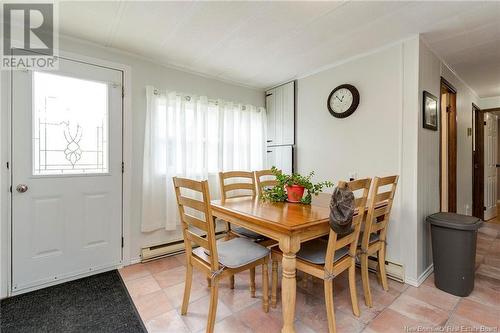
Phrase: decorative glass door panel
x=70 y=125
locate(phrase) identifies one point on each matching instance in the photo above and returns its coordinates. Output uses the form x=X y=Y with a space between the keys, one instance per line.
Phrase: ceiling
x=260 y=44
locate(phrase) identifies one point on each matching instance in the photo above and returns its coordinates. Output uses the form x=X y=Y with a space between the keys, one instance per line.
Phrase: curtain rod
x=188 y=98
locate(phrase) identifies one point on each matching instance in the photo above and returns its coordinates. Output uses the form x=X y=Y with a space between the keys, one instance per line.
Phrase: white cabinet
x=280 y=157
x=280 y=106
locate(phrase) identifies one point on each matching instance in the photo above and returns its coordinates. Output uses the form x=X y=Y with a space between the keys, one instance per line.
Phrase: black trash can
x=454 y=239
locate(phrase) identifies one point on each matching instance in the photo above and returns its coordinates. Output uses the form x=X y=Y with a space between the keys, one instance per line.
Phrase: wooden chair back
x=379 y=208
x=360 y=188
x=205 y=224
x=232 y=181
x=262 y=180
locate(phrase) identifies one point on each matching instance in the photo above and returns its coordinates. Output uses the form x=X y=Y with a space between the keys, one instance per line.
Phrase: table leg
x=289 y=246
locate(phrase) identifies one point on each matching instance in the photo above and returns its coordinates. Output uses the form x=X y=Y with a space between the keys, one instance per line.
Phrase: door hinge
x=484 y=207
x=122 y=242
x=123 y=91
x=10 y=188
x=8 y=165
x=484 y=123
x=123 y=167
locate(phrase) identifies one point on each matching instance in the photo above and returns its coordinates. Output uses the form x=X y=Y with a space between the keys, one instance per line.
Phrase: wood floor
x=157 y=288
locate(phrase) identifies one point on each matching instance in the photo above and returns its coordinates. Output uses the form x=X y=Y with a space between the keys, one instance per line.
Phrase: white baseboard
x=421 y=278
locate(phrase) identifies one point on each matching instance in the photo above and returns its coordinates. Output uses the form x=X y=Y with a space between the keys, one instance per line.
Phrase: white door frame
x=127 y=159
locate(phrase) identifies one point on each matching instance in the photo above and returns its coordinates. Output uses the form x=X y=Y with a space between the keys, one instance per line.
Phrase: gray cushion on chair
x=314 y=251
x=248 y=233
x=238 y=252
x=373 y=238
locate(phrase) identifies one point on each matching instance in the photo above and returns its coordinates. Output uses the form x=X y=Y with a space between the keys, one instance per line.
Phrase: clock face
x=343 y=101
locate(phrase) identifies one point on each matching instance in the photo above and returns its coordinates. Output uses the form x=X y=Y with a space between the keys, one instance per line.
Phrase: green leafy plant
x=278 y=192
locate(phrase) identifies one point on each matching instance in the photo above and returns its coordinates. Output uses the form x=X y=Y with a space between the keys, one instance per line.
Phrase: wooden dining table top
x=279 y=216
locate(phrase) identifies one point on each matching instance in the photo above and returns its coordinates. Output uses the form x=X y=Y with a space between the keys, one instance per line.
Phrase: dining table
x=290 y=224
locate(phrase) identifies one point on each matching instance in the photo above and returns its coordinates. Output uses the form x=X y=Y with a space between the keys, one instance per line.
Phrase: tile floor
x=157 y=289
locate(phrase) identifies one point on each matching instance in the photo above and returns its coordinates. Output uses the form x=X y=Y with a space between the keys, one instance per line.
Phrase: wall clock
x=343 y=101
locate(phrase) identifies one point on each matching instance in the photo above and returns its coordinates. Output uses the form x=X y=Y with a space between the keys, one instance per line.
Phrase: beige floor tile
x=259 y=321
x=152 y=305
x=163 y=264
x=133 y=272
x=175 y=293
x=390 y=321
x=169 y=322
x=171 y=277
x=489 y=271
x=142 y=286
x=197 y=314
x=433 y=296
x=419 y=311
x=238 y=299
x=478 y=312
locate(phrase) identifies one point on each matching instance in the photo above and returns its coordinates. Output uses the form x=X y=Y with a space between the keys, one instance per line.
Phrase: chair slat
x=383 y=181
x=236 y=174
x=188 y=183
x=239 y=186
x=383 y=196
x=203 y=242
x=192 y=203
x=191 y=220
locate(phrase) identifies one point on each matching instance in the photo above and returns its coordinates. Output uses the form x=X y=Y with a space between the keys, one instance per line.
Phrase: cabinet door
x=288 y=114
x=280 y=157
x=280 y=105
x=271 y=116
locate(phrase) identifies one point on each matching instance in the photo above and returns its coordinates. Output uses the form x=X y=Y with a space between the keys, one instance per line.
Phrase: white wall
x=489 y=102
x=431 y=69
x=379 y=139
x=143 y=73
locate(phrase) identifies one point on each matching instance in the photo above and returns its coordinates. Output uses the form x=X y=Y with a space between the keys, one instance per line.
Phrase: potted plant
x=291 y=188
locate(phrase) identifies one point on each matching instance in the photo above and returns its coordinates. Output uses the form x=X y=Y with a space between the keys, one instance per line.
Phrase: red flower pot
x=294 y=193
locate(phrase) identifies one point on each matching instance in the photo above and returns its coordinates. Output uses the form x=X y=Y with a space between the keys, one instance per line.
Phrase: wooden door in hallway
x=490 y=162
x=448 y=147
x=478 y=163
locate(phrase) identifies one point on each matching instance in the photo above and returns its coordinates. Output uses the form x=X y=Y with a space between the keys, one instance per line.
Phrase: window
x=70 y=125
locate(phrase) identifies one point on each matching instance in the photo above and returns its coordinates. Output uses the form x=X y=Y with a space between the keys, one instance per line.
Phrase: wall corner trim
x=417 y=282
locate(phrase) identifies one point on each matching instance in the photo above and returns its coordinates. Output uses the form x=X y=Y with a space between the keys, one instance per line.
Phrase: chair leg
x=274 y=283
x=212 y=311
x=231 y=282
x=381 y=267
x=252 y=281
x=187 y=289
x=265 y=287
x=366 y=280
x=330 y=311
x=209 y=282
x=352 y=288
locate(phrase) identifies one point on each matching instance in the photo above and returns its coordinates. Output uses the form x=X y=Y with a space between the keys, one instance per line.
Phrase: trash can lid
x=454 y=221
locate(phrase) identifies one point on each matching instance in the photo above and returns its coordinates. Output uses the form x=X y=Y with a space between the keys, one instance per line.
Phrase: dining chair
x=374 y=236
x=326 y=259
x=216 y=259
x=264 y=179
x=236 y=184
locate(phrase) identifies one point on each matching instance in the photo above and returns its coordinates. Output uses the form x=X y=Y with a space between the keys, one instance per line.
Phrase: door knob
x=21 y=188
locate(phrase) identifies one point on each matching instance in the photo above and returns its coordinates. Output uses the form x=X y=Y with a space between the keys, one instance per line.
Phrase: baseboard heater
x=394 y=271
x=168 y=249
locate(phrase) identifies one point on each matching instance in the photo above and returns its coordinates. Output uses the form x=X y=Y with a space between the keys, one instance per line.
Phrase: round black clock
x=343 y=101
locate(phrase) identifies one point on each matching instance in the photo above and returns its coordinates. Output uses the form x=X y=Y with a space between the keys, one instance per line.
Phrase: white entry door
x=490 y=169
x=66 y=173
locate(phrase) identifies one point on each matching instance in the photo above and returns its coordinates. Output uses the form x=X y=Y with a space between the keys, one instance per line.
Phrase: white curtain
x=194 y=137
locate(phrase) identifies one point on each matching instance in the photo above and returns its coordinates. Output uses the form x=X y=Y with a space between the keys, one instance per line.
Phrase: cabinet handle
x=269 y=140
x=269 y=151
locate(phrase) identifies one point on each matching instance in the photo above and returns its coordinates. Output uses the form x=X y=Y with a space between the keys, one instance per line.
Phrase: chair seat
x=373 y=238
x=248 y=233
x=314 y=251
x=237 y=252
